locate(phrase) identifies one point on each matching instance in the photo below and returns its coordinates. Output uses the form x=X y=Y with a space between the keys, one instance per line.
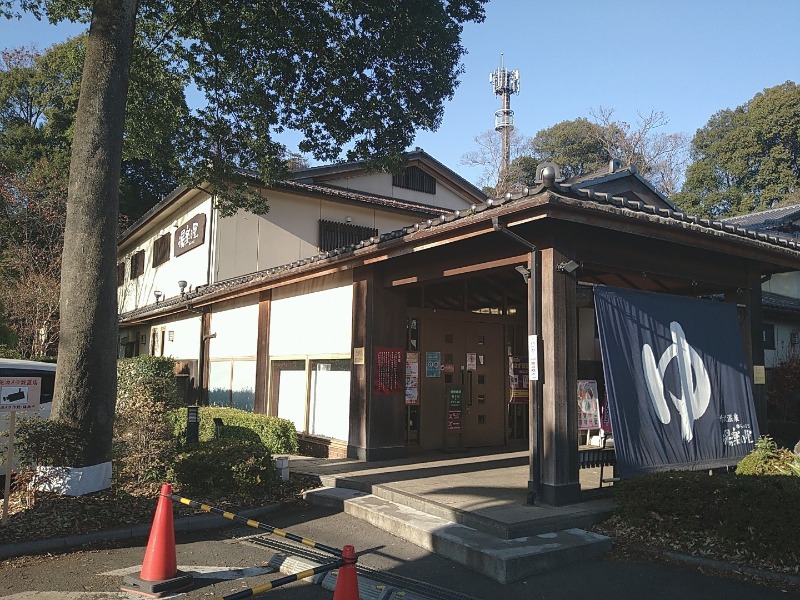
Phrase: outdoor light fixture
x=526 y=274
x=158 y=295
x=567 y=267
x=182 y=285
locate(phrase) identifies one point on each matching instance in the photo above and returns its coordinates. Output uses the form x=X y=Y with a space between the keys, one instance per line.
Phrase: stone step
x=504 y=560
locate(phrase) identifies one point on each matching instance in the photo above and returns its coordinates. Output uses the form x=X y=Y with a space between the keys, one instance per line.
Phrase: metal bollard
x=282 y=467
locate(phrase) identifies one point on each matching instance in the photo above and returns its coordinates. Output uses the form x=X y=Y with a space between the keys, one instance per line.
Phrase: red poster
x=389 y=376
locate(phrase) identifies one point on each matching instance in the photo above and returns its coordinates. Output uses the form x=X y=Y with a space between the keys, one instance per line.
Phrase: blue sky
x=687 y=58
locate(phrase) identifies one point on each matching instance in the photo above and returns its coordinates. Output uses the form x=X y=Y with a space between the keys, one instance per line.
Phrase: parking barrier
x=265 y=587
x=257 y=525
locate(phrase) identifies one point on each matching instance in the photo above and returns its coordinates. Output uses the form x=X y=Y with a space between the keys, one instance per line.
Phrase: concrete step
x=504 y=560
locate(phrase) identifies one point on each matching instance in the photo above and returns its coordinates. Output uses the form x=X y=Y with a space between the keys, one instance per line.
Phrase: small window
x=137 y=264
x=120 y=274
x=161 y=250
x=768 y=336
x=333 y=234
x=414 y=178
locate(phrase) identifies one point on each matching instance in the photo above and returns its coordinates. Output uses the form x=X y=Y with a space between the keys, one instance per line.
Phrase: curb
x=729 y=567
x=184 y=524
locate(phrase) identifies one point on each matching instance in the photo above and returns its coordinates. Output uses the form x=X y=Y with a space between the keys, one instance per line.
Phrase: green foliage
x=277 y=435
x=758 y=513
x=767 y=459
x=746 y=159
x=144 y=442
x=575 y=146
x=231 y=466
x=40 y=442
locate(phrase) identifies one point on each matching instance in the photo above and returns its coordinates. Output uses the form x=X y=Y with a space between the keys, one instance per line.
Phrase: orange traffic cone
x=347 y=580
x=159 y=574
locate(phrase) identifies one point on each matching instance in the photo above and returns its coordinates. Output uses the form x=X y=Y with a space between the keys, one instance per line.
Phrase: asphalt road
x=95 y=573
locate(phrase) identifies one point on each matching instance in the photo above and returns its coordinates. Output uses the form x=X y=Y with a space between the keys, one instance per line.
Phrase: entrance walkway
x=486 y=491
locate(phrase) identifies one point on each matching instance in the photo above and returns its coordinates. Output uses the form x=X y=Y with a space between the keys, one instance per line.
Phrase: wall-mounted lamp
x=567 y=267
x=349 y=219
x=182 y=286
x=158 y=294
x=526 y=274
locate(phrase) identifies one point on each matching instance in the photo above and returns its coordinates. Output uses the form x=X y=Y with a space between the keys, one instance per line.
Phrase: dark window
x=137 y=264
x=120 y=274
x=769 y=336
x=333 y=235
x=414 y=178
x=161 y=250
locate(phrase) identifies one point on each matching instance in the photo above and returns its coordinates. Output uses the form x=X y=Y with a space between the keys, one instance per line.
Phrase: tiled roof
x=766 y=219
x=374 y=199
x=779 y=302
x=587 y=197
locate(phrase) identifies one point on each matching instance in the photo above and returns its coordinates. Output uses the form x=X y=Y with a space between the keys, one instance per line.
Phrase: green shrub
x=39 y=442
x=767 y=459
x=228 y=466
x=278 y=435
x=144 y=441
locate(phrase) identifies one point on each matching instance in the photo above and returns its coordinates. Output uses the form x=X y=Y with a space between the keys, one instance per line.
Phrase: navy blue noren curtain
x=678 y=386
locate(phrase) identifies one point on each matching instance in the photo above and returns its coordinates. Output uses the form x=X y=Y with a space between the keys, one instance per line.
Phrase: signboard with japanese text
x=533 y=357
x=412 y=377
x=455 y=404
x=190 y=235
x=388 y=376
x=678 y=385
x=20 y=394
x=518 y=379
x=433 y=364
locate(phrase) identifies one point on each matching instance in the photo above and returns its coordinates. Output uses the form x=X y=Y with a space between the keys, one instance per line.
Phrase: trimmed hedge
x=278 y=435
x=226 y=466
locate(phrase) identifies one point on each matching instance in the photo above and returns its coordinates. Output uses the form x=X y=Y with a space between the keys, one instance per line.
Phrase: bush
x=226 y=466
x=39 y=442
x=767 y=459
x=277 y=435
x=144 y=442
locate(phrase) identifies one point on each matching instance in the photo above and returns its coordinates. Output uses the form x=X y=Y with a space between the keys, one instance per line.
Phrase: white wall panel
x=235 y=324
x=317 y=322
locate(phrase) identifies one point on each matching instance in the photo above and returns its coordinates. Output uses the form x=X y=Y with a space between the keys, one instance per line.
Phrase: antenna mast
x=504 y=83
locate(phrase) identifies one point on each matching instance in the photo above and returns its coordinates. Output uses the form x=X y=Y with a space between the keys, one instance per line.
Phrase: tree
x=746 y=159
x=489 y=156
x=363 y=76
x=575 y=146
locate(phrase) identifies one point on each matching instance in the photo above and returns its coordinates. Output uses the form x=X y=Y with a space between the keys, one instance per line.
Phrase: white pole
x=9 y=463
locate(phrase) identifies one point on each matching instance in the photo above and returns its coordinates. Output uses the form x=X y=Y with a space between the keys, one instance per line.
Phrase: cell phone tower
x=504 y=83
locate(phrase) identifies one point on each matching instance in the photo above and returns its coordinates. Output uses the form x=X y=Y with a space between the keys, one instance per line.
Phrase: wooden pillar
x=377 y=420
x=559 y=462
x=262 y=354
x=753 y=338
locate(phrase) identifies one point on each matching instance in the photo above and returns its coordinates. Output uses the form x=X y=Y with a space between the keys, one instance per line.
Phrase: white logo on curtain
x=695 y=392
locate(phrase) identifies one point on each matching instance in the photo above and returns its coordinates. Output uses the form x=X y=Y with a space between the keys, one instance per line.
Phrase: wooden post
x=9 y=465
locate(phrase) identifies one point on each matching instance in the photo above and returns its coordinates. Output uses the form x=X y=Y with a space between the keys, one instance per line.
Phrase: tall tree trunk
x=86 y=382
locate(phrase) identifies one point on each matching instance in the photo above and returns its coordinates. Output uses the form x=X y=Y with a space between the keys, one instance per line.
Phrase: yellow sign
x=759 y=375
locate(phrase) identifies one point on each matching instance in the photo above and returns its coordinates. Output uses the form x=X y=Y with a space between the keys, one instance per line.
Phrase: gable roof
x=621 y=182
x=418 y=158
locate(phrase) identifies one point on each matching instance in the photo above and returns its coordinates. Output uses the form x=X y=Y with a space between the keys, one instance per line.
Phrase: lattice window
x=414 y=178
x=333 y=234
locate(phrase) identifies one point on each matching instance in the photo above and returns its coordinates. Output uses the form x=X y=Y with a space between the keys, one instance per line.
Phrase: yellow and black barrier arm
x=257 y=525
x=265 y=587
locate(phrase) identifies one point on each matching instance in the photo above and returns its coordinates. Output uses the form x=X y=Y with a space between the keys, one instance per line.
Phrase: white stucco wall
x=191 y=266
x=785 y=284
x=381 y=184
x=235 y=324
x=288 y=232
x=320 y=321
